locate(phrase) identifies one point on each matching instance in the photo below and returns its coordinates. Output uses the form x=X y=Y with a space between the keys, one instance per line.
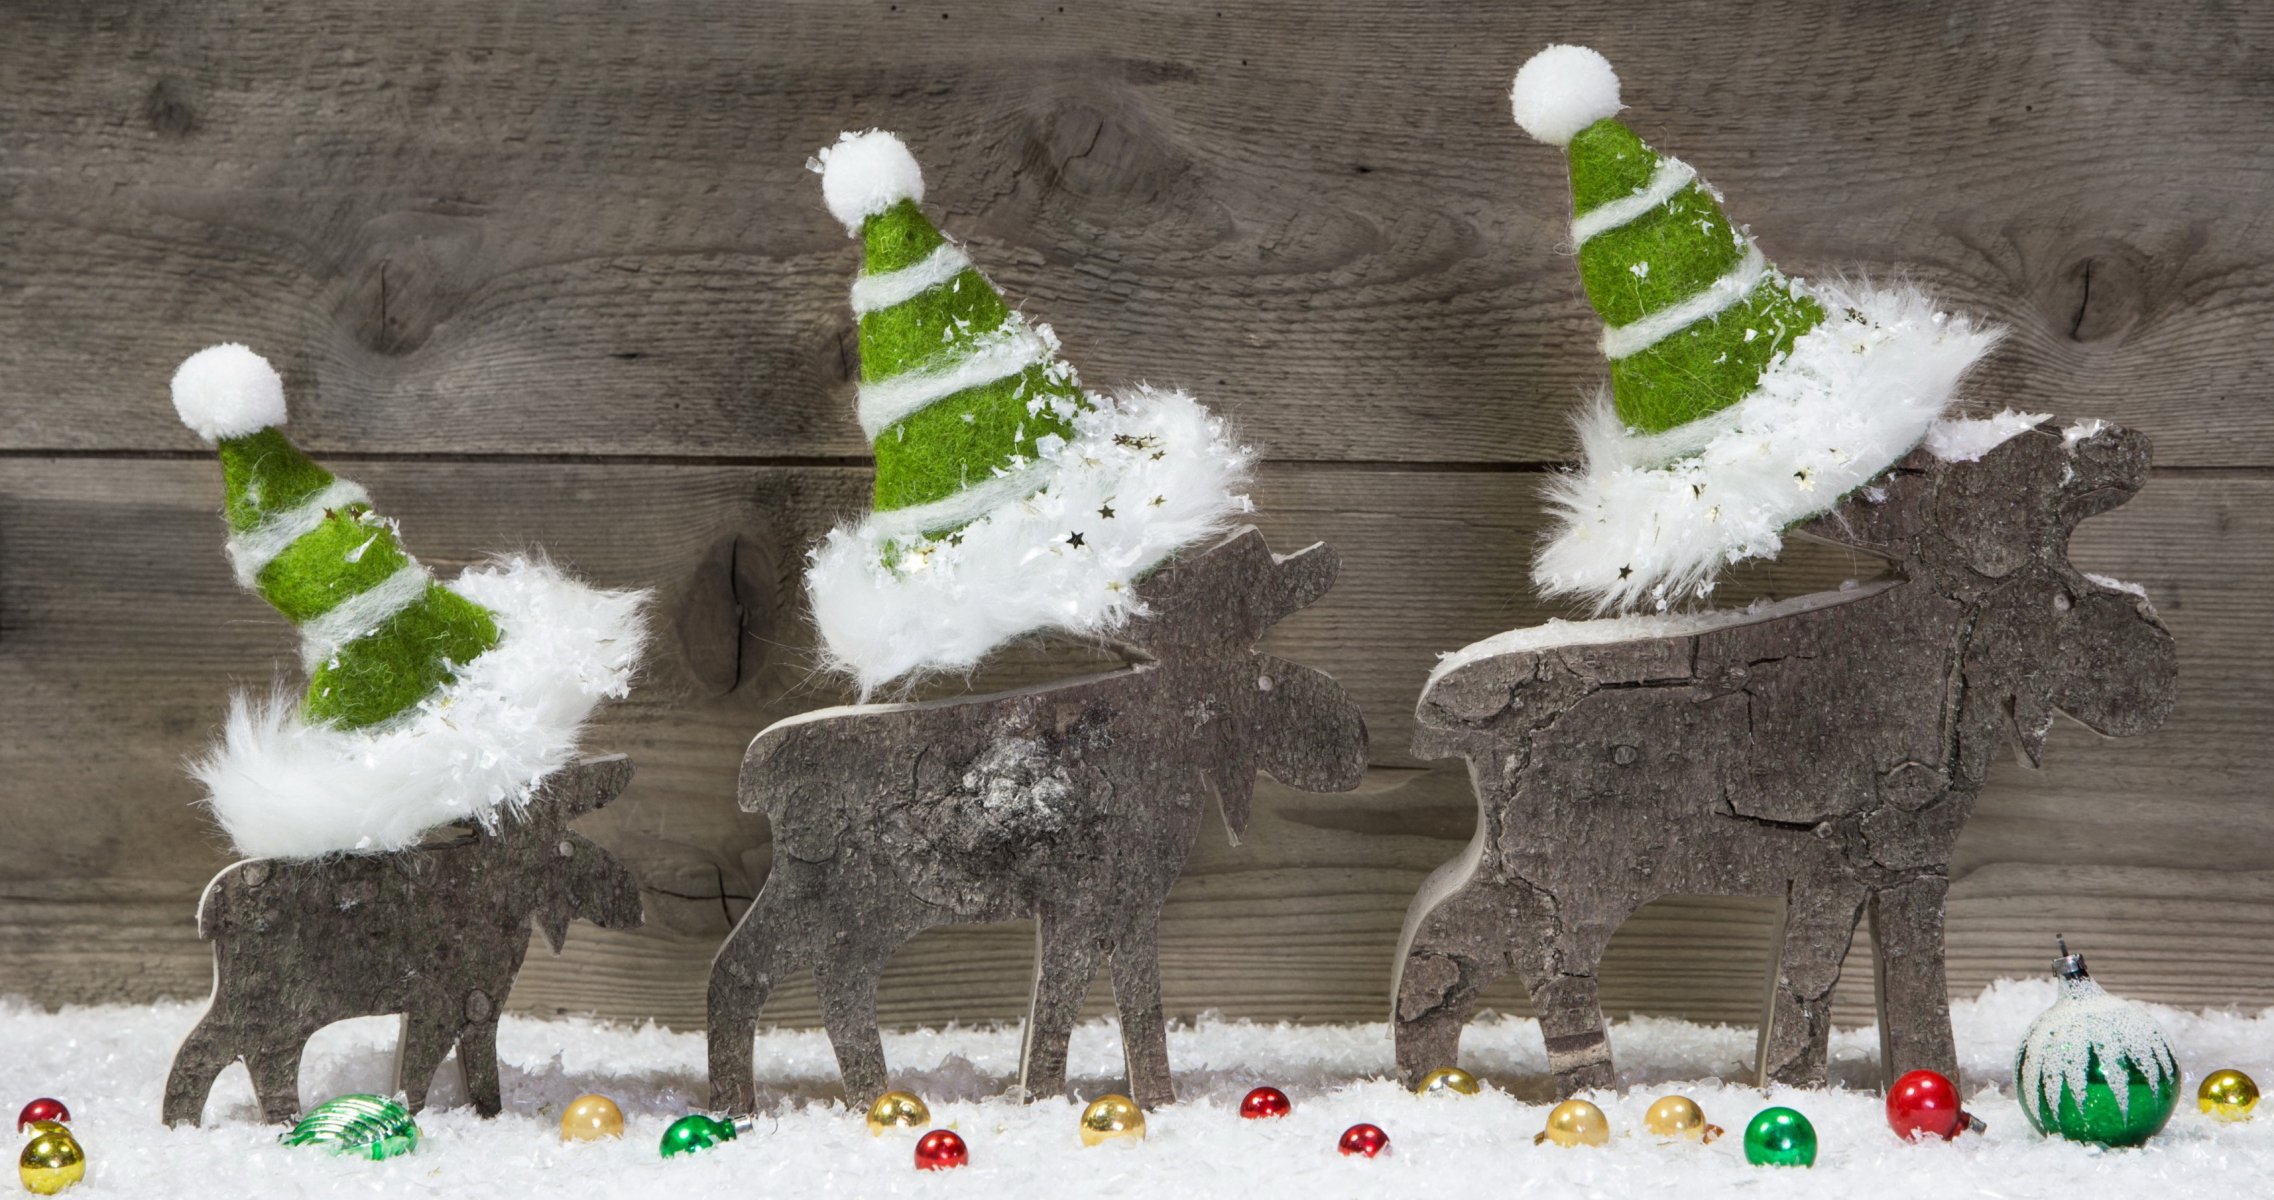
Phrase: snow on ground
x=109 y=1065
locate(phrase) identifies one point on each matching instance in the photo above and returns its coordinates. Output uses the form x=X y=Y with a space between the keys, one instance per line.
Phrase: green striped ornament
x=357 y=1126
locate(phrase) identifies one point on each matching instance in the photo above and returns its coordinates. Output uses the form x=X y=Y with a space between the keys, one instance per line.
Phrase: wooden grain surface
x=554 y=274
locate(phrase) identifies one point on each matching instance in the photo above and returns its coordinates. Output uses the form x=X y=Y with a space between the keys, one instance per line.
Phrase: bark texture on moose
x=1074 y=804
x=436 y=933
x=1826 y=750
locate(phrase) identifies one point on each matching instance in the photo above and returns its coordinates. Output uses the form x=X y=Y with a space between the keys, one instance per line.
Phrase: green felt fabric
x=900 y=236
x=380 y=676
x=1659 y=259
x=263 y=474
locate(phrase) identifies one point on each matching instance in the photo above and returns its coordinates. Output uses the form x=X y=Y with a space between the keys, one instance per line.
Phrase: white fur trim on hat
x=1651 y=519
x=479 y=745
x=865 y=174
x=228 y=391
x=1562 y=90
x=1169 y=471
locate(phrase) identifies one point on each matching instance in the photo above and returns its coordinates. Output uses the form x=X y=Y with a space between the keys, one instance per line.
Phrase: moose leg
x=1796 y=1031
x=203 y=1056
x=477 y=1057
x=419 y=1052
x=743 y=975
x=1065 y=961
x=275 y=1068
x=1914 y=1001
x=847 y=988
x=1144 y=1034
x=1459 y=945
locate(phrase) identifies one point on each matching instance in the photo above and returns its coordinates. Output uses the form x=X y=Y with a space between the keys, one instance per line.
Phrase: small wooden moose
x=1074 y=803
x=435 y=933
x=1825 y=751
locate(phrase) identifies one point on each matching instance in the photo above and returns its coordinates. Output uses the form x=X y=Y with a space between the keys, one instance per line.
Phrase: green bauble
x=2095 y=1068
x=1780 y=1137
x=695 y=1132
x=370 y=1127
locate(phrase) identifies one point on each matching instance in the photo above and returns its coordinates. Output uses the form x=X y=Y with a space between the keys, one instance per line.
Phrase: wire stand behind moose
x=1073 y=803
x=1825 y=751
x=436 y=933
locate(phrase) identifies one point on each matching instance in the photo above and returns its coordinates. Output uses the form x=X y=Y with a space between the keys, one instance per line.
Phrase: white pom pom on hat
x=865 y=174
x=228 y=391
x=1562 y=90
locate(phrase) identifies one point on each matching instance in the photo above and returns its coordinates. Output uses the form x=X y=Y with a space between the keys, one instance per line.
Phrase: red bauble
x=1923 y=1103
x=1368 y=1140
x=1265 y=1102
x=941 y=1149
x=42 y=1109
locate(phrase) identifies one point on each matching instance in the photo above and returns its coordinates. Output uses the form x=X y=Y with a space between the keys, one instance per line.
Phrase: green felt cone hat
x=1008 y=499
x=1741 y=400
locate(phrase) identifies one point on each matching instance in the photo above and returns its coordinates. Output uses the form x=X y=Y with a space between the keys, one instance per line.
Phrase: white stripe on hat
x=1007 y=352
x=257 y=547
x=322 y=636
x=1621 y=341
x=1671 y=176
x=872 y=292
x=965 y=506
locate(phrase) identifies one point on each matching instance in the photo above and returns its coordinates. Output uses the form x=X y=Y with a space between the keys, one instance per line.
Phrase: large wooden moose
x=436 y=934
x=1075 y=804
x=1824 y=751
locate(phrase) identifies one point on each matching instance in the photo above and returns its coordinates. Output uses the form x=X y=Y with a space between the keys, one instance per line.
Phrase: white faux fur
x=1562 y=90
x=866 y=173
x=284 y=788
x=228 y=391
x=1654 y=518
x=943 y=605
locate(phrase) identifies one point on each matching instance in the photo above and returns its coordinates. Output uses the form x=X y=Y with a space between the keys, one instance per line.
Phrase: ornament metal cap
x=2068 y=966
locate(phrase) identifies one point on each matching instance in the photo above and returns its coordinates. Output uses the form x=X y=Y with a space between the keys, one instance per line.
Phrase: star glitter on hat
x=427 y=702
x=1008 y=500
x=1741 y=401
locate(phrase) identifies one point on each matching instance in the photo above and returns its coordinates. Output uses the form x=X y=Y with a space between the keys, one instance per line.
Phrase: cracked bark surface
x=1073 y=803
x=1826 y=751
x=436 y=933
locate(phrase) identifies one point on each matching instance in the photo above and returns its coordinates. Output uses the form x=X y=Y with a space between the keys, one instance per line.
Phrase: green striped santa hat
x=1009 y=500
x=1741 y=400
x=427 y=702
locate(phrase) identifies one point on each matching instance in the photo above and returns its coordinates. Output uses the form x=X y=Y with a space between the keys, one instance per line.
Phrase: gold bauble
x=1679 y=1117
x=52 y=1160
x=1575 y=1123
x=590 y=1118
x=1111 y=1118
x=2227 y=1095
x=1448 y=1081
x=898 y=1110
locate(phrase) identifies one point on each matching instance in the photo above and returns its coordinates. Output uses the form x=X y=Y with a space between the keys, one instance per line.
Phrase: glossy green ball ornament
x=698 y=1132
x=1780 y=1137
x=372 y=1127
x=2095 y=1068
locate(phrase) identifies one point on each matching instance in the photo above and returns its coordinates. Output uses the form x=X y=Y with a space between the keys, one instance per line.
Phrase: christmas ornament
x=1780 y=1137
x=941 y=1149
x=2095 y=1068
x=898 y=1110
x=1112 y=1118
x=589 y=1118
x=52 y=1160
x=1679 y=1117
x=1364 y=1140
x=1265 y=1102
x=1448 y=1081
x=43 y=1109
x=359 y=1126
x=699 y=1131
x=1575 y=1123
x=1009 y=500
x=1924 y=1103
x=427 y=703
x=2227 y=1095
x=1742 y=401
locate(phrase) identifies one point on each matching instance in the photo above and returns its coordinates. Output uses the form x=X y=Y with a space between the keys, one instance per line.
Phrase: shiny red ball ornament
x=1265 y=1102
x=1924 y=1104
x=42 y=1109
x=1365 y=1139
x=941 y=1149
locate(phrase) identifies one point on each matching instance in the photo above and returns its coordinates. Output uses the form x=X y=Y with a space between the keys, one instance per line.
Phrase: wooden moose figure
x=1825 y=750
x=435 y=933
x=1074 y=803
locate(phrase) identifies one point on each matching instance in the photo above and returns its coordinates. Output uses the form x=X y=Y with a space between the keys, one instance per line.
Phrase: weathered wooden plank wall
x=553 y=273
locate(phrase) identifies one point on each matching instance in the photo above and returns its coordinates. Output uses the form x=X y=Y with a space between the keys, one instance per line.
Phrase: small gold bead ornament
x=1678 y=1118
x=898 y=1110
x=1575 y=1123
x=2227 y=1095
x=1112 y=1118
x=1448 y=1081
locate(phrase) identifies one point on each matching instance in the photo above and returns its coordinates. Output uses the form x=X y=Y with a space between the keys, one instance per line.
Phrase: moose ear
x=2107 y=463
x=1298 y=580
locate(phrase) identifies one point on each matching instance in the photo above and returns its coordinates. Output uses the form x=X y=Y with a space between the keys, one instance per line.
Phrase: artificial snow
x=1967 y=439
x=109 y=1065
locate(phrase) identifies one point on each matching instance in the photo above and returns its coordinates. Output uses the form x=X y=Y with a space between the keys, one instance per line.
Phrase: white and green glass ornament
x=2095 y=1068
x=370 y=1127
